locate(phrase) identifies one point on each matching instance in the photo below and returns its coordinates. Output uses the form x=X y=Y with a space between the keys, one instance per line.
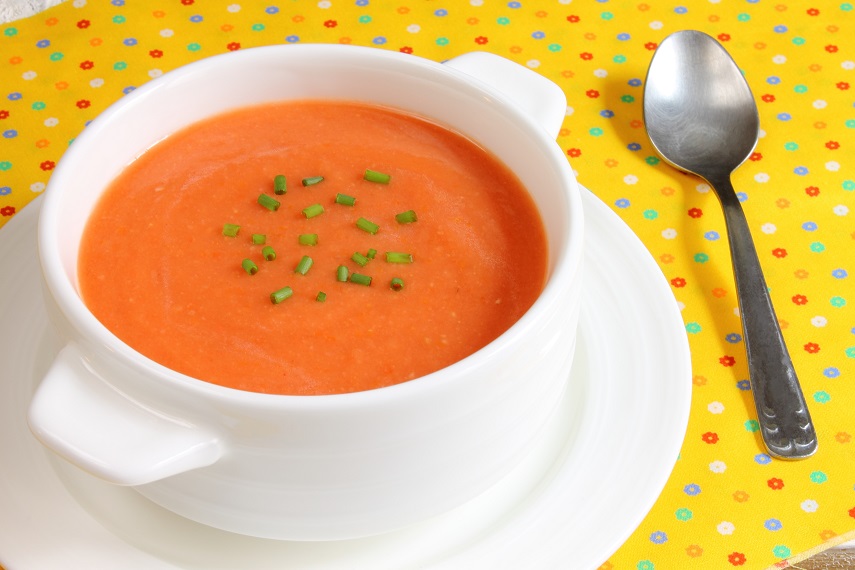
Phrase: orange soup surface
x=157 y=268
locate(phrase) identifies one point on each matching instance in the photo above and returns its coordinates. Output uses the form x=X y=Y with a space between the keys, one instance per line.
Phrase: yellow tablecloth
x=727 y=503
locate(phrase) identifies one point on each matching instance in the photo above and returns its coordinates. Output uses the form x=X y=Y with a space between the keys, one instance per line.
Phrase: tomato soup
x=252 y=250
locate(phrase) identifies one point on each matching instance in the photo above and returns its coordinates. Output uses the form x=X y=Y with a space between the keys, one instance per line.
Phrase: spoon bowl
x=701 y=117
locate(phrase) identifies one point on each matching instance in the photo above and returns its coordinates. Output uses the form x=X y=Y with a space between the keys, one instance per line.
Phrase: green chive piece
x=345 y=200
x=278 y=296
x=398 y=257
x=268 y=202
x=372 y=253
x=313 y=210
x=230 y=230
x=312 y=180
x=321 y=297
x=407 y=217
x=249 y=266
x=360 y=279
x=360 y=259
x=307 y=239
x=280 y=186
x=396 y=284
x=341 y=273
x=259 y=239
x=268 y=252
x=367 y=226
x=378 y=177
x=304 y=265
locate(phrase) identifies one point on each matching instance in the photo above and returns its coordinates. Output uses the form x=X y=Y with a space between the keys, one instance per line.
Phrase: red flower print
x=87 y=64
x=573 y=19
x=83 y=24
x=736 y=558
x=851 y=511
x=187 y=2
x=406 y=49
x=592 y=93
x=723 y=37
x=843 y=437
x=812 y=191
x=727 y=361
x=812 y=12
x=768 y=98
x=155 y=53
x=842 y=85
x=779 y=252
x=7 y=210
x=47 y=165
x=811 y=348
x=775 y=483
x=481 y=40
x=233 y=46
x=755 y=156
x=587 y=56
x=678 y=282
x=800 y=299
x=719 y=293
x=831 y=48
x=4 y=114
x=710 y=437
x=832 y=145
x=695 y=213
x=83 y=103
x=574 y=152
x=330 y=24
x=650 y=46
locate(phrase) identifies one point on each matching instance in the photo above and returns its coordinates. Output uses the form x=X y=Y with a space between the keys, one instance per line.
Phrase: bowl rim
x=86 y=326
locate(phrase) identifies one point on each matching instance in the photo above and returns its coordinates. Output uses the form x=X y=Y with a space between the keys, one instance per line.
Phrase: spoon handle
x=782 y=412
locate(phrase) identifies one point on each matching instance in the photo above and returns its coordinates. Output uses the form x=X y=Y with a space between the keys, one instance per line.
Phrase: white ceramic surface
x=320 y=467
x=570 y=513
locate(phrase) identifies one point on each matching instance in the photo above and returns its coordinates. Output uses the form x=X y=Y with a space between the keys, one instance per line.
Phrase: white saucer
x=616 y=440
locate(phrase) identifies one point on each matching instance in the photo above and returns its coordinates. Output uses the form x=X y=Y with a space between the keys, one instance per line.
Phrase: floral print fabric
x=727 y=503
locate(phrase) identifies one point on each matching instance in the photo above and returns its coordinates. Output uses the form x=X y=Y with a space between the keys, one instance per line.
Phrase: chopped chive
x=407 y=217
x=268 y=202
x=374 y=176
x=259 y=239
x=268 y=252
x=312 y=180
x=304 y=265
x=371 y=253
x=230 y=230
x=367 y=226
x=398 y=257
x=280 y=186
x=341 y=273
x=249 y=266
x=321 y=297
x=278 y=296
x=360 y=279
x=360 y=259
x=313 y=210
x=307 y=239
x=345 y=199
x=396 y=284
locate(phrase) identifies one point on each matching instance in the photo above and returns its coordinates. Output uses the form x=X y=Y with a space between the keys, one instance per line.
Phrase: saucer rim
x=24 y=533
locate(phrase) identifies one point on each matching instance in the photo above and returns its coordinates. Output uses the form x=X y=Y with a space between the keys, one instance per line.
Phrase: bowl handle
x=534 y=94
x=93 y=425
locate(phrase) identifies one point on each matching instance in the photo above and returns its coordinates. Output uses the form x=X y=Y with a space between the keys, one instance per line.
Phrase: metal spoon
x=701 y=117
